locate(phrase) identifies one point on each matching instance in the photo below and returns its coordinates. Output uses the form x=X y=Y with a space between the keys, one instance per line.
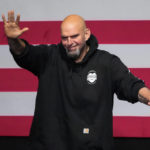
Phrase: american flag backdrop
x=122 y=27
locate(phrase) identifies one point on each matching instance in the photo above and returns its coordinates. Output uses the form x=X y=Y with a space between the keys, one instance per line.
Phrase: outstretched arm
x=144 y=95
x=13 y=31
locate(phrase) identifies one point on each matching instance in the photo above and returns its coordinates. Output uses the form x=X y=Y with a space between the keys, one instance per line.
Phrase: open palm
x=11 y=27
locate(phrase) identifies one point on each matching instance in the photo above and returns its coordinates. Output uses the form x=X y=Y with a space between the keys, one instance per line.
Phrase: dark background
x=19 y=143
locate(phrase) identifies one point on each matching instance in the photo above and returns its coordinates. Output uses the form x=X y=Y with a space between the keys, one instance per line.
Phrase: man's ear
x=87 y=33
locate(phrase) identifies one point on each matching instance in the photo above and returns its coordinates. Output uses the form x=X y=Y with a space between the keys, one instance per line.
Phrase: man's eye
x=64 y=38
x=74 y=36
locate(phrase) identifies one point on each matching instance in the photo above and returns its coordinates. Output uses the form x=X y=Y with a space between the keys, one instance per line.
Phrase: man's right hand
x=13 y=31
x=11 y=27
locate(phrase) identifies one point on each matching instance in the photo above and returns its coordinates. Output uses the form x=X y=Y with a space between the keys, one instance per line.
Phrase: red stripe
x=107 y=32
x=131 y=126
x=22 y=80
x=142 y=73
x=17 y=80
x=15 y=125
x=122 y=126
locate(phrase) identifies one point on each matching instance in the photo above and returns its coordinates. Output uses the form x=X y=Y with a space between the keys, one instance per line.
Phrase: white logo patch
x=86 y=130
x=92 y=77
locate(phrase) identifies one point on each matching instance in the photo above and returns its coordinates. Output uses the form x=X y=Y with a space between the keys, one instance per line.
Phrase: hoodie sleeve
x=34 y=58
x=126 y=85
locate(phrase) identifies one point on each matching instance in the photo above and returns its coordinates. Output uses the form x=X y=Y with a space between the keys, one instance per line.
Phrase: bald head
x=73 y=20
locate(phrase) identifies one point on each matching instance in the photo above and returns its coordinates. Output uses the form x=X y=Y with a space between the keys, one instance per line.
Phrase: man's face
x=73 y=39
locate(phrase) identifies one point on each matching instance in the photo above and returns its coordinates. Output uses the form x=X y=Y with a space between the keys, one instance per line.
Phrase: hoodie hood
x=92 y=43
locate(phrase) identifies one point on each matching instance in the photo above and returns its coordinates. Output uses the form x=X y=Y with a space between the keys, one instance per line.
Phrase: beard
x=75 y=54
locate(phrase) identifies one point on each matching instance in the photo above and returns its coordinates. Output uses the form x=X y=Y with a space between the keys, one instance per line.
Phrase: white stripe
x=17 y=103
x=6 y=59
x=89 y=9
x=124 y=108
x=134 y=56
x=23 y=104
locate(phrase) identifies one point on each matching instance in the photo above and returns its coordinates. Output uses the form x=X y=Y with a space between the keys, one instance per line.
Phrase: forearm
x=144 y=95
x=16 y=45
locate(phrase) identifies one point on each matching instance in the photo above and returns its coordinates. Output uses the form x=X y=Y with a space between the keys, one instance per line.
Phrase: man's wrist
x=144 y=95
x=16 y=45
x=143 y=99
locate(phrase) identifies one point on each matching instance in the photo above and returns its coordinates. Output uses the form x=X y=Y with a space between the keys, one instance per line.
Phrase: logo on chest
x=92 y=77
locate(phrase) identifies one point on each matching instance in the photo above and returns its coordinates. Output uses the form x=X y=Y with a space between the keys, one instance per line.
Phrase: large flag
x=121 y=27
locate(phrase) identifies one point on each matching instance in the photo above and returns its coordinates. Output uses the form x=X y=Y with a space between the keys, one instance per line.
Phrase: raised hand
x=11 y=27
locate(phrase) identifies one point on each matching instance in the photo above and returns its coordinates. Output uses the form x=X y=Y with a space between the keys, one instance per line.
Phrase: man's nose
x=69 y=41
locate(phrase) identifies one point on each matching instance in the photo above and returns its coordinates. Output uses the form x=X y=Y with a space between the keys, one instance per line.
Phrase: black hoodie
x=74 y=100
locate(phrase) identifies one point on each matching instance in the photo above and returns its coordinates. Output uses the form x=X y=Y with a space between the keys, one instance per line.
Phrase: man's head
x=74 y=35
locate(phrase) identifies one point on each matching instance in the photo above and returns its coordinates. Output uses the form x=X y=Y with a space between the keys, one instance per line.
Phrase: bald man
x=76 y=86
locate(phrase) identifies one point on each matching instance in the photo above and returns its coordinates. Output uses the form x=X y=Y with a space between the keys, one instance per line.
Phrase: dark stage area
x=20 y=143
